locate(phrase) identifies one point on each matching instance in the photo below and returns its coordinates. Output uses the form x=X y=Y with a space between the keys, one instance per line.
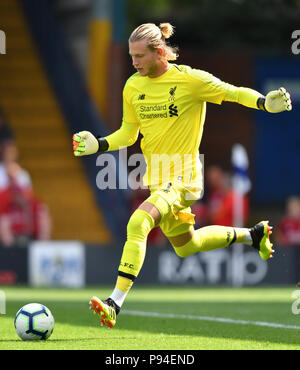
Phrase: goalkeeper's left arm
x=86 y=143
x=274 y=102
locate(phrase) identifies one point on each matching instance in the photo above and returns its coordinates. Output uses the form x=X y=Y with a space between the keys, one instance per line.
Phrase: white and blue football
x=34 y=321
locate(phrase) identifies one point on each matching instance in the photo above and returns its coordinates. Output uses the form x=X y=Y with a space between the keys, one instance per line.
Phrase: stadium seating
x=42 y=137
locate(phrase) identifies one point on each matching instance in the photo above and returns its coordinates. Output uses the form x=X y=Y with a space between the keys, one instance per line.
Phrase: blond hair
x=156 y=38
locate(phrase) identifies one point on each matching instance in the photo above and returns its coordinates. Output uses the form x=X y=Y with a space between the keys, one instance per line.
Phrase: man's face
x=144 y=60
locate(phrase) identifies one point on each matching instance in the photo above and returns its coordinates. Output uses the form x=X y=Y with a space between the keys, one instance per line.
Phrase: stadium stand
x=42 y=137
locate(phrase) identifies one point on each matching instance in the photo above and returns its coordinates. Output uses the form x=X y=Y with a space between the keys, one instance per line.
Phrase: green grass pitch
x=162 y=318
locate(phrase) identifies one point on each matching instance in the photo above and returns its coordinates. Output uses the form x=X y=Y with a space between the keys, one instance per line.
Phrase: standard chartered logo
x=158 y=111
x=153 y=111
x=173 y=110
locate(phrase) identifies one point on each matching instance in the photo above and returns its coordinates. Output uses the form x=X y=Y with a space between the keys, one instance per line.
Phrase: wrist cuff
x=261 y=103
x=103 y=144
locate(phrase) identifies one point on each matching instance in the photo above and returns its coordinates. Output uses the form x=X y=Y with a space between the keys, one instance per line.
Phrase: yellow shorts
x=174 y=201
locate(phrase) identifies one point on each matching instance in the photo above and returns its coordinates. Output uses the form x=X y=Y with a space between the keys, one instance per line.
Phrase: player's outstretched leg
x=106 y=309
x=260 y=234
x=138 y=228
x=213 y=237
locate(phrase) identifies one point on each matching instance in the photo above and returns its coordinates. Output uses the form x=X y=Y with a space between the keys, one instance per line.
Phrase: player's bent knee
x=185 y=245
x=140 y=223
x=152 y=210
x=158 y=205
x=182 y=239
x=180 y=251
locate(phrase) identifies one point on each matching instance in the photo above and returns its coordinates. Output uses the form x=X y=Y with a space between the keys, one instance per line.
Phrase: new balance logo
x=173 y=111
x=141 y=97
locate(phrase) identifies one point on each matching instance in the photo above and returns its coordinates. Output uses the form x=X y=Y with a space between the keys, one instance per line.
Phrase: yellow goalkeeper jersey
x=169 y=112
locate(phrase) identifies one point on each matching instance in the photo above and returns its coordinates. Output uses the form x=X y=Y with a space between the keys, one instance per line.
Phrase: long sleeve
x=128 y=132
x=243 y=95
x=125 y=136
x=209 y=88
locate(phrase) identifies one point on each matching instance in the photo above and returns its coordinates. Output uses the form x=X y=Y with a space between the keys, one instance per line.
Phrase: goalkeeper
x=166 y=103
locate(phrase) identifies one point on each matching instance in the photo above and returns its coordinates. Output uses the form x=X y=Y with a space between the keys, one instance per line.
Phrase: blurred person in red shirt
x=220 y=199
x=288 y=230
x=6 y=132
x=200 y=210
x=22 y=216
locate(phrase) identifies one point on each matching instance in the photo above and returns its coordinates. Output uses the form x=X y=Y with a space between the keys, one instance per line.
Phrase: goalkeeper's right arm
x=85 y=143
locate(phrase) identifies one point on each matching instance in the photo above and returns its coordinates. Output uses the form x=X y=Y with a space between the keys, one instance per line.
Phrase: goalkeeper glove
x=276 y=101
x=85 y=143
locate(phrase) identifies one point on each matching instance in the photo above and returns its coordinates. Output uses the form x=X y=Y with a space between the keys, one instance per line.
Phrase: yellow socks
x=212 y=237
x=138 y=228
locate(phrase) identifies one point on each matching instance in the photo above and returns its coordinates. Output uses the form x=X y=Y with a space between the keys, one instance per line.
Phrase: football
x=34 y=321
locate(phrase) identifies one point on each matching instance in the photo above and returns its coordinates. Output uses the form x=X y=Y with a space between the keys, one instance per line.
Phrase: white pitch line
x=209 y=318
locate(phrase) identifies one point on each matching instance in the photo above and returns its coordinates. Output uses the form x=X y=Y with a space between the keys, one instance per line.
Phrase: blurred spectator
x=10 y=170
x=6 y=133
x=22 y=216
x=288 y=230
x=200 y=210
x=215 y=191
x=220 y=198
x=217 y=186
